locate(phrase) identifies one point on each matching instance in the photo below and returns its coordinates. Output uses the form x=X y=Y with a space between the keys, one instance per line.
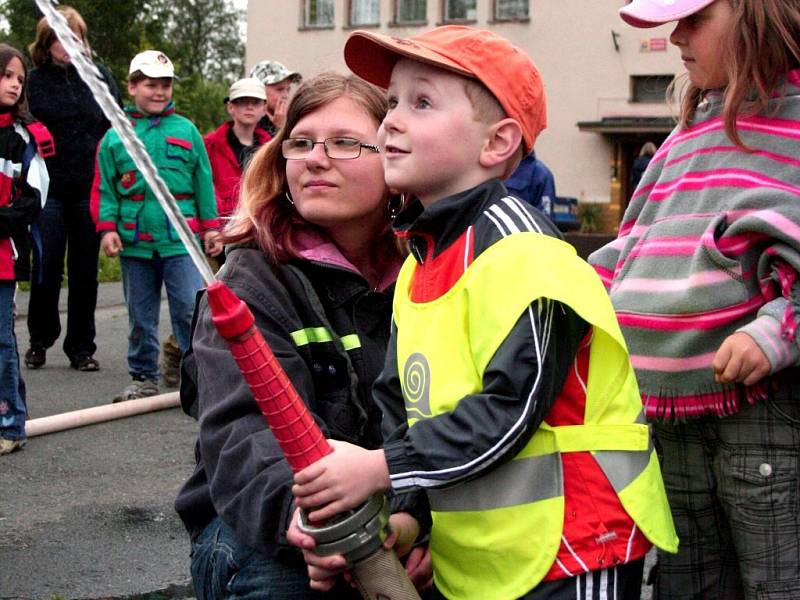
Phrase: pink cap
x=652 y=13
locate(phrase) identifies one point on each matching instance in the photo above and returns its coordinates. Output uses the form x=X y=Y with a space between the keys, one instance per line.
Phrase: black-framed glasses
x=339 y=148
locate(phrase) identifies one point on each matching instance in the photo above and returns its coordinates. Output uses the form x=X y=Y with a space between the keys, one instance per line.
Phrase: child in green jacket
x=134 y=226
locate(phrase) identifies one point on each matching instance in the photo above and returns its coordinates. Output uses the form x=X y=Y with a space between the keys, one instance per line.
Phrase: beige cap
x=153 y=64
x=249 y=87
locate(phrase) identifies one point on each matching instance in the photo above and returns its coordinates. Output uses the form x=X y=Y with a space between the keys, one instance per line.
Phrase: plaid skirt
x=732 y=485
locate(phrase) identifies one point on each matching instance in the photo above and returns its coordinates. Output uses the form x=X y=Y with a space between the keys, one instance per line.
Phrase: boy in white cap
x=134 y=226
x=232 y=144
x=277 y=80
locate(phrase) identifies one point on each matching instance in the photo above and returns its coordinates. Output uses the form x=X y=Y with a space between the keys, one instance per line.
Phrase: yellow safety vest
x=497 y=536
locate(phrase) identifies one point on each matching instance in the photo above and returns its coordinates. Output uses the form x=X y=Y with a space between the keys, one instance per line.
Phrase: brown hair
x=45 y=36
x=265 y=214
x=760 y=49
x=20 y=109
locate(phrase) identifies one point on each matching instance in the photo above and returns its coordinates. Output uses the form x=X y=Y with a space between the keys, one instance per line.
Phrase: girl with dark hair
x=23 y=188
x=64 y=103
x=704 y=278
x=311 y=252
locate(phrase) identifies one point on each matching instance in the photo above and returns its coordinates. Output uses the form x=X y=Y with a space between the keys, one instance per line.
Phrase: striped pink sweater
x=710 y=245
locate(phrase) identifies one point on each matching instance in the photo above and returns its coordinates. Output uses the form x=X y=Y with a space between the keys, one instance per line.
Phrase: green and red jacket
x=121 y=200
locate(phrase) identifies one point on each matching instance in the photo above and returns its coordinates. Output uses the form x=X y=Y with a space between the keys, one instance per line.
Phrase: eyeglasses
x=339 y=148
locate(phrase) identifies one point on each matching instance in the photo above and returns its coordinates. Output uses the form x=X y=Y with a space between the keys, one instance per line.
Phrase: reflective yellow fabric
x=484 y=545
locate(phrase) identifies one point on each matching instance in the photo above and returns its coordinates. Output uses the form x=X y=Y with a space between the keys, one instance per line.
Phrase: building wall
x=571 y=41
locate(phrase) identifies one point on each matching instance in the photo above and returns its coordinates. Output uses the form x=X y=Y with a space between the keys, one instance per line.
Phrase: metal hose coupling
x=358 y=535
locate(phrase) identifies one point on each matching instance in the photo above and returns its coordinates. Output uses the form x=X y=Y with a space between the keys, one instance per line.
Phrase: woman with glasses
x=311 y=252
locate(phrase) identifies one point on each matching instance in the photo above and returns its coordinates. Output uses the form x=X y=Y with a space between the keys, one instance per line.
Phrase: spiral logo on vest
x=416 y=386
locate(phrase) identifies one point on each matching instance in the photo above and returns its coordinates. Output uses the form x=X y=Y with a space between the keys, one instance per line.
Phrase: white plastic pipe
x=100 y=414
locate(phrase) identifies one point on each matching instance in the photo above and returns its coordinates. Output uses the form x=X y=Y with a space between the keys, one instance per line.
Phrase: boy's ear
x=502 y=142
x=131 y=88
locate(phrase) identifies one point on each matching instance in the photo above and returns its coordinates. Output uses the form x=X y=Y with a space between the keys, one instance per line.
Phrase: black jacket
x=241 y=474
x=60 y=99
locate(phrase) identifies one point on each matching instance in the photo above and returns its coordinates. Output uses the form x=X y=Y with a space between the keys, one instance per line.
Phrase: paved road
x=87 y=513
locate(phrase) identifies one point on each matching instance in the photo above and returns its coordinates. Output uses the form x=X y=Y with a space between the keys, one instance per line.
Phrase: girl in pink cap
x=704 y=278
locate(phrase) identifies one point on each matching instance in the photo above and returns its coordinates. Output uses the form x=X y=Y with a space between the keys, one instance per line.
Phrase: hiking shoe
x=9 y=446
x=84 y=362
x=35 y=357
x=138 y=388
x=170 y=366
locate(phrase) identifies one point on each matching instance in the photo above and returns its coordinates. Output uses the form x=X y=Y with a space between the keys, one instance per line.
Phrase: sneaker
x=9 y=446
x=84 y=362
x=35 y=357
x=138 y=388
x=170 y=366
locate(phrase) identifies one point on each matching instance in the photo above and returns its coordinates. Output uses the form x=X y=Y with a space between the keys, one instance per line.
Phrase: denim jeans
x=141 y=281
x=223 y=567
x=12 y=392
x=66 y=227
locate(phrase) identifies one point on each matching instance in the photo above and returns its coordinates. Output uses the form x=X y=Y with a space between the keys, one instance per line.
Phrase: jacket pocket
x=765 y=486
x=180 y=149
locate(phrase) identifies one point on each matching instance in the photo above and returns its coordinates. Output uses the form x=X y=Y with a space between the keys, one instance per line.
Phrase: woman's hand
x=111 y=244
x=740 y=360
x=323 y=571
x=343 y=479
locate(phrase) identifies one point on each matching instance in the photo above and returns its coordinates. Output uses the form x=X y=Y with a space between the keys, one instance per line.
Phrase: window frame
x=496 y=19
x=351 y=25
x=304 y=23
x=636 y=79
x=395 y=22
x=448 y=21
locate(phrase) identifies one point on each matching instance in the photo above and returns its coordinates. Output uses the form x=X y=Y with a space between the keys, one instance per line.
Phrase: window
x=511 y=10
x=410 y=11
x=460 y=10
x=365 y=12
x=318 y=13
x=650 y=88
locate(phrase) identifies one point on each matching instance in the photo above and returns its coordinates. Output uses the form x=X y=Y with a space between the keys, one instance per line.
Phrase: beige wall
x=570 y=40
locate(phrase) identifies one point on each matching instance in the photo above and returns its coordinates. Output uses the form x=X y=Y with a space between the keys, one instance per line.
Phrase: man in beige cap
x=278 y=81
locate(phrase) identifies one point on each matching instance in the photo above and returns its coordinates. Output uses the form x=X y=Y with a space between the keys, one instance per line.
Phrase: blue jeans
x=223 y=567
x=141 y=281
x=12 y=391
x=66 y=228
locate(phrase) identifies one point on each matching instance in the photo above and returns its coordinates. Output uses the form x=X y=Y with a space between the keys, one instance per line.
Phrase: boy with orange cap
x=508 y=394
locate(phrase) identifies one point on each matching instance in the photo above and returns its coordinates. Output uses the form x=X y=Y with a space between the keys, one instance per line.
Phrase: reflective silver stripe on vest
x=319 y=335
x=622 y=468
x=520 y=481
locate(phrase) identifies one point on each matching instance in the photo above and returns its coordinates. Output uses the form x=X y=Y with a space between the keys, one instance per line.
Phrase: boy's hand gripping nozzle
x=358 y=535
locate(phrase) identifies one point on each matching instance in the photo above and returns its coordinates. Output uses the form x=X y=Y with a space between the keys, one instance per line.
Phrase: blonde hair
x=264 y=214
x=760 y=49
x=648 y=149
x=45 y=36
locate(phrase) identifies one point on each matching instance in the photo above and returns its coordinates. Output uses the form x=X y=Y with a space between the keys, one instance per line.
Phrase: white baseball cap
x=249 y=87
x=652 y=13
x=152 y=63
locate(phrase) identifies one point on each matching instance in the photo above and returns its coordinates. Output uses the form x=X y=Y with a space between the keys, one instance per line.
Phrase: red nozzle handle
x=300 y=438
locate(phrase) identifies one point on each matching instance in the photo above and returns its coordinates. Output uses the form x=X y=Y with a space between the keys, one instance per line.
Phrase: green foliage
x=108 y=269
x=202 y=102
x=589 y=217
x=202 y=37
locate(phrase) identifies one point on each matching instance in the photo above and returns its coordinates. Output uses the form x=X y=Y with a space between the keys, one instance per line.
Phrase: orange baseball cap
x=508 y=72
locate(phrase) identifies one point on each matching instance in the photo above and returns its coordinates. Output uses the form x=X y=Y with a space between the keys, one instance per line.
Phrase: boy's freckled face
x=151 y=96
x=430 y=136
